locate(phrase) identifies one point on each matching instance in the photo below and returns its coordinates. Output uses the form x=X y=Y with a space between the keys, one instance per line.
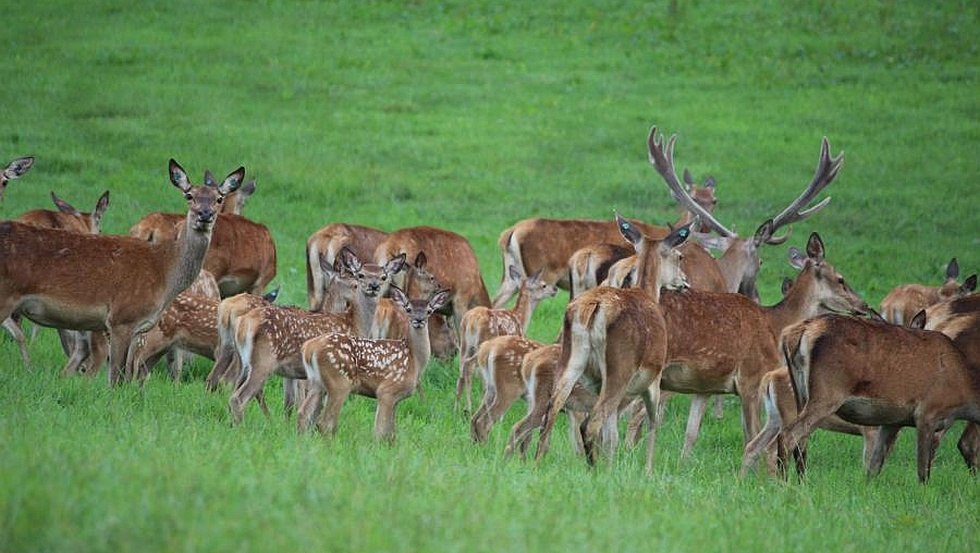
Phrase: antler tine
x=662 y=159
x=827 y=169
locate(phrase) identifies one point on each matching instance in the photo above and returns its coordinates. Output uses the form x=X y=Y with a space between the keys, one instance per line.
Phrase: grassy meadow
x=471 y=116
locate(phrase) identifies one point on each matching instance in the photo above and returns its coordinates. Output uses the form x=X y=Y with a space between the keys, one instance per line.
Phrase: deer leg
x=969 y=445
x=67 y=339
x=749 y=394
x=384 y=418
x=175 y=363
x=880 y=447
x=926 y=447
x=520 y=435
x=80 y=346
x=98 y=348
x=719 y=406
x=253 y=381
x=480 y=423
x=699 y=404
x=120 y=339
x=813 y=412
x=577 y=361
x=311 y=408
x=288 y=396
x=651 y=402
x=220 y=372
x=17 y=333
x=764 y=439
x=336 y=395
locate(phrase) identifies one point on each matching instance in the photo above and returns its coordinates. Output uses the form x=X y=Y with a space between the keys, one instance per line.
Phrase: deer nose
x=205 y=214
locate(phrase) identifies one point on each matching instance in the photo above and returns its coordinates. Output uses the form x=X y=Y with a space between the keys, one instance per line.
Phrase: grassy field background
x=471 y=116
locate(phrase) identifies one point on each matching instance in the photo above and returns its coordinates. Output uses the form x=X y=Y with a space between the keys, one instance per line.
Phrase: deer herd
x=651 y=313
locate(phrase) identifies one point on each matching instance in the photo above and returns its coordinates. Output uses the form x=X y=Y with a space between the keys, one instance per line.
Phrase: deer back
x=451 y=260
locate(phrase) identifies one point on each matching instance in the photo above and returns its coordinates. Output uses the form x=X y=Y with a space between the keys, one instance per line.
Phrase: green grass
x=471 y=116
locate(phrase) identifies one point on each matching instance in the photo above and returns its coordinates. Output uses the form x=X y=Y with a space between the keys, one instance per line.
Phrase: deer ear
x=420 y=260
x=18 y=167
x=438 y=300
x=396 y=264
x=101 y=205
x=814 y=248
x=513 y=273
x=399 y=297
x=709 y=183
x=232 y=181
x=796 y=258
x=209 y=179
x=969 y=285
x=952 y=269
x=787 y=284
x=349 y=260
x=179 y=177
x=677 y=237
x=919 y=320
x=688 y=179
x=273 y=295
x=628 y=230
x=63 y=206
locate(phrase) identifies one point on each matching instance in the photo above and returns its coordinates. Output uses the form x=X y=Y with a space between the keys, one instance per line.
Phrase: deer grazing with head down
x=113 y=283
x=878 y=374
x=481 y=323
x=269 y=339
x=14 y=169
x=242 y=256
x=903 y=302
x=337 y=365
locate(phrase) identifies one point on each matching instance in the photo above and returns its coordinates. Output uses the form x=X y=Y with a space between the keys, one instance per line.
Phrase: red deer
x=327 y=242
x=498 y=361
x=113 y=283
x=902 y=303
x=451 y=261
x=391 y=322
x=547 y=245
x=66 y=218
x=482 y=323
x=14 y=169
x=227 y=366
x=878 y=374
x=615 y=340
x=242 y=256
x=388 y=370
x=269 y=339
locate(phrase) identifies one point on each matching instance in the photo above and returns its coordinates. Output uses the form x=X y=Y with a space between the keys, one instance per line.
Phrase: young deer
x=389 y=370
x=481 y=323
x=903 y=302
x=114 y=283
x=190 y=323
x=14 y=169
x=878 y=374
x=269 y=339
x=391 y=322
x=498 y=362
x=227 y=365
x=452 y=261
x=327 y=242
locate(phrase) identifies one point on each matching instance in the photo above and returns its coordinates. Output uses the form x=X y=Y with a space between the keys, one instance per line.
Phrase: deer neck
x=419 y=350
x=799 y=304
x=360 y=314
x=647 y=272
x=524 y=308
x=188 y=251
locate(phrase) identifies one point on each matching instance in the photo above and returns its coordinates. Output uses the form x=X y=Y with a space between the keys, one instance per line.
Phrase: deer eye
x=220 y=199
x=840 y=280
x=188 y=196
x=384 y=278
